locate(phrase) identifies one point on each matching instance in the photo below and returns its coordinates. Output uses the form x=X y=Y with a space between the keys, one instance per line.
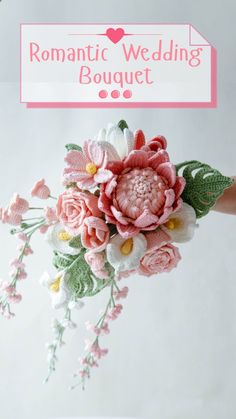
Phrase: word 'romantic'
x=130 y=52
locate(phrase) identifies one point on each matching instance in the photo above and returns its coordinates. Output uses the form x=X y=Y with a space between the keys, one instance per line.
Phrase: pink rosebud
x=115 y=312
x=98 y=352
x=8 y=288
x=105 y=329
x=18 y=205
x=23 y=237
x=51 y=215
x=17 y=264
x=26 y=250
x=121 y=294
x=43 y=229
x=11 y=218
x=21 y=275
x=16 y=298
x=84 y=373
x=96 y=261
x=90 y=327
x=40 y=190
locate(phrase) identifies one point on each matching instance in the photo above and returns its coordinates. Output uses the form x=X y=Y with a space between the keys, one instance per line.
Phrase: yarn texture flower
x=123 y=207
x=143 y=192
x=87 y=168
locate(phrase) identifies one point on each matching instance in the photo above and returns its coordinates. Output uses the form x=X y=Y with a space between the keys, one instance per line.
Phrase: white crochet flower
x=181 y=224
x=116 y=142
x=125 y=254
x=59 y=291
x=59 y=238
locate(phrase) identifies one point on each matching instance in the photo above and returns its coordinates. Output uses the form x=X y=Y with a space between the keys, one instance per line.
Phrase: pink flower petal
x=158 y=158
x=168 y=171
x=127 y=231
x=75 y=176
x=104 y=203
x=179 y=186
x=139 y=139
x=110 y=186
x=115 y=166
x=157 y=239
x=170 y=197
x=103 y=176
x=95 y=152
x=86 y=183
x=76 y=159
x=136 y=158
x=146 y=219
x=165 y=215
x=119 y=216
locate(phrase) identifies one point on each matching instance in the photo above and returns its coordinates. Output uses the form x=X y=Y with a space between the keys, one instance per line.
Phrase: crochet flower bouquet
x=123 y=207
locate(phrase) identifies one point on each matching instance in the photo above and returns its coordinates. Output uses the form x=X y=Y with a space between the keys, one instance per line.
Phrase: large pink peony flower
x=161 y=255
x=73 y=206
x=142 y=193
x=95 y=234
x=87 y=168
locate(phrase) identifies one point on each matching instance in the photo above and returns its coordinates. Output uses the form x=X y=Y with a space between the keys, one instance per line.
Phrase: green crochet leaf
x=204 y=185
x=122 y=124
x=81 y=280
x=73 y=147
x=75 y=242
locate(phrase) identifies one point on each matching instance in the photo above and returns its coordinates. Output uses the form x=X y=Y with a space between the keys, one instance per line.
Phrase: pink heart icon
x=115 y=35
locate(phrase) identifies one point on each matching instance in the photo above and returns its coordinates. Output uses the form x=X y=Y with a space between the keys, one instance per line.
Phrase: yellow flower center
x=64 y=236
x=91 y=168
x=127 y=247
x=55 y=286
x=173 y=223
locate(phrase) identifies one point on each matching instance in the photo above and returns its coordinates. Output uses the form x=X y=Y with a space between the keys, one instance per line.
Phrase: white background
x=173 y=351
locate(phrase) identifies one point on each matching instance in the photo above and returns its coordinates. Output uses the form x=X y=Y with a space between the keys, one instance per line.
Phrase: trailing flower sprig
x=124 y=209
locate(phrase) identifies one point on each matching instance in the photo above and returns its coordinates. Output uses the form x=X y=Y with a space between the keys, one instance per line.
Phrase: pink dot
x=115 y=94
x=102 y=94
x=127 y=94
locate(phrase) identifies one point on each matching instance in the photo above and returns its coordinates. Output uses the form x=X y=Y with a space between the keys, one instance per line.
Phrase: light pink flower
x=15 y=298
x=114 y=312
x=105 y=329
x=87 y=167
x=8 y=288
x=74 y=206
x=96 y=261
x=96 y=351
x=44 y=228
x=92 y=328
x=121 y=294
x=161 y=255
x=26 y=249
x=40 y=190
x=23 y=237
x=95 y=234
x=142 y=194
x=18 y=205
x=17 y=264
x=10 y=217
x=51 y=215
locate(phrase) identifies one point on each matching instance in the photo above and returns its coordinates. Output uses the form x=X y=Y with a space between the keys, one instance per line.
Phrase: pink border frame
x=211 y=104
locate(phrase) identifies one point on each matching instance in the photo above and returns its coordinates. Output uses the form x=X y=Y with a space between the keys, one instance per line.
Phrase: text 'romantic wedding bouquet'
x=123 y=207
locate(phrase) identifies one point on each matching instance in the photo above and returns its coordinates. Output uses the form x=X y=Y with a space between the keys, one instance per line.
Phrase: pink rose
x=73 y=206
x=95 y=234
x=161 y=255
x=96 y=261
